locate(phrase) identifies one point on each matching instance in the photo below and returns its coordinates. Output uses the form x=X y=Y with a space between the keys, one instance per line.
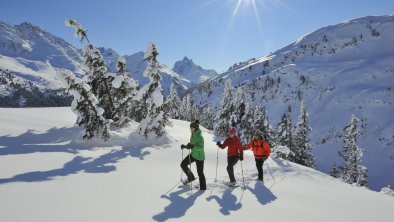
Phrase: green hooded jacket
x=198 y=149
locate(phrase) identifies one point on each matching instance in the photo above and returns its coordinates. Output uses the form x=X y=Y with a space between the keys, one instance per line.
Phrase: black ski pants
x=259 y=166
x=200 y=170
x=231 y=161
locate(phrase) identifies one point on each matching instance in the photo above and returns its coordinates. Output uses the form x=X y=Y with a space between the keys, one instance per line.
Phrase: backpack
x=268 y=139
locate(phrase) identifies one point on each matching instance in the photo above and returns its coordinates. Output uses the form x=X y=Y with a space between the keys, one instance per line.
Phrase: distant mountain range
x=33 y=55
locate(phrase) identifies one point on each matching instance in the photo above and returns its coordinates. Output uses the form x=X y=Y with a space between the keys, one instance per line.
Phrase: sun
x=247 y=3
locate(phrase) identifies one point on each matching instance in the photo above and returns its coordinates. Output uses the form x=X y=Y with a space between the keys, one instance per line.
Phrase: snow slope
x=48 y=174
x=339 y=70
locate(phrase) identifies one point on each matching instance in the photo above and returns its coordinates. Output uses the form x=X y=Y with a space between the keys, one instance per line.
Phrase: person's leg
x=259 y=166
x=231 y=161
x=184 y=165
x=201 y=176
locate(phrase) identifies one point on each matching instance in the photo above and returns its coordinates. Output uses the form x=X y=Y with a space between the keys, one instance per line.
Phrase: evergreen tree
x=334 y=171
x=189 y=108
x=86 y=106
x=92 y=95
x=352 y=171
x=125 y=89
x=207 y=117
x=283 y=132
x=174 y=102
x=302 y=150
x=95 y=71
x=226 y=110
x=157 y=113
x=247 y=124
x=239 y=108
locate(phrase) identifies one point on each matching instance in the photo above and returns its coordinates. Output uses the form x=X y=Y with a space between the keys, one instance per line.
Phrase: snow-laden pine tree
x=92 y=95
x=189 y=112
x=352 y=171
x=334 y=172
x=125 y=89
x=226 y=109
x=95 y=71
x=173 y=102
x=283 y=132
x=207 y=117
x=157 y=114
x=86 y=106
x=302 y=149
x=239 y=105
x=247 y=127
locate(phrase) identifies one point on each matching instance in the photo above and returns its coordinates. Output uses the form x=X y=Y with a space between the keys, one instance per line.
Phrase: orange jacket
x=259 y=148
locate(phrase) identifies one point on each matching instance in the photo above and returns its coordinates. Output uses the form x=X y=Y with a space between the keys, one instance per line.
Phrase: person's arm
x=250 y=144
x=224 y=145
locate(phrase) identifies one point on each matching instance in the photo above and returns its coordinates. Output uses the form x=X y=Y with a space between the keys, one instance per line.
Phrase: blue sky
x=214 y=33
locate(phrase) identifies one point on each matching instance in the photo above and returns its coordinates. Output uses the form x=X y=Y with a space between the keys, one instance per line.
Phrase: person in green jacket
x=197 y=155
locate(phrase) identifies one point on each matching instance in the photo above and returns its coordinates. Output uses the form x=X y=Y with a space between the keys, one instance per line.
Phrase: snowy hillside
x=47 y=173
x=196 y=74
x=338 y=71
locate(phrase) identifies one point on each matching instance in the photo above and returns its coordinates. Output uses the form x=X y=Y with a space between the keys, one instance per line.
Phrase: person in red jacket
x=234 y=152
x=261 y=151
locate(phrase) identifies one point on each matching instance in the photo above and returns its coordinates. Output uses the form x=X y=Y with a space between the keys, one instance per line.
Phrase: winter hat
x=233 y=131
x=195 y=124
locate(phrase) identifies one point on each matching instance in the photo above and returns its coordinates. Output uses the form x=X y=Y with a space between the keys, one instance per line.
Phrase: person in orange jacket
x=261 y=151
x=234 y=152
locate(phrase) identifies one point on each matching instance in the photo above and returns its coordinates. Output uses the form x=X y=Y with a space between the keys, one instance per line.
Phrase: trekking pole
x=217 y=161
x=190 y=165
x=273 y=178
x=243 y=178
x=181 y=167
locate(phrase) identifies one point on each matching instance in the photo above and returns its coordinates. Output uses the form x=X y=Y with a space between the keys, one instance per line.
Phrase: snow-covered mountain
x=51 y=174
x=35 y=55
x=338 y=71
x=196 y=74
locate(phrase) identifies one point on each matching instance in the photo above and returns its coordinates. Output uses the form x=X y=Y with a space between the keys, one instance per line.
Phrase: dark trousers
x=259 y=166
x=200 y=170
x=231 y=161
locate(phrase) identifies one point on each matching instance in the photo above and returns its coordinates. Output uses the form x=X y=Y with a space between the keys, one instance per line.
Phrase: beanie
x=195 y=124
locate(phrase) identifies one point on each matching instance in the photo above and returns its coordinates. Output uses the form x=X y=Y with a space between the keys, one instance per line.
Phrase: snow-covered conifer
x=157 y=113
x=302 y=150
x=226 y=109
x=247 y=124
x=86 y=106
x=207 y=117
x=124 y=91
x=352 y=171
x=174 y=102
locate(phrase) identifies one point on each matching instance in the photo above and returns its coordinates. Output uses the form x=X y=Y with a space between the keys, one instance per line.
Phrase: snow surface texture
x=338 y=71
x=48 y=174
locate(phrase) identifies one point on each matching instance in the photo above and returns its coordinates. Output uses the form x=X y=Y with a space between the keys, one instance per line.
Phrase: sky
x=214 y=33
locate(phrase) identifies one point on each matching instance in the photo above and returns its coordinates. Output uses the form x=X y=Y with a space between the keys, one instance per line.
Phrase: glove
x=189 y=146
x=264 y=158
x=241 y=157
x=183 y=146
x=218 y=143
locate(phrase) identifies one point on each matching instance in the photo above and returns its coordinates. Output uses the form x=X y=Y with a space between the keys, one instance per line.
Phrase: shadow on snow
x=228 y=202
x=178 y=205
x=61 y=140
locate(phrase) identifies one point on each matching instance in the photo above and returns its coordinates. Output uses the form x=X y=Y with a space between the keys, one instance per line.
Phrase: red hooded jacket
x=260 y=148
x=234 y=146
